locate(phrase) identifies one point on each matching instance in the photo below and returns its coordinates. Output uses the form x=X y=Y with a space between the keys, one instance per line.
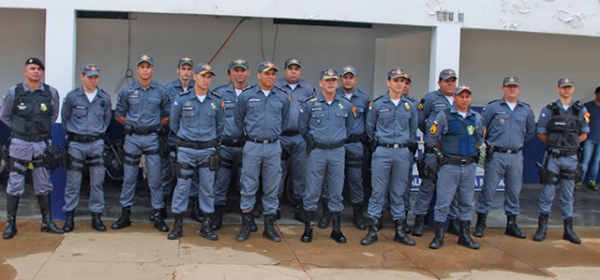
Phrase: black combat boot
x=299 y=214
x=195 y=212
x=358 y=218
x=177 y=231
x=540 y=233
x=438 y=240
x=454 y=227
x=163 y=211
x=336 y=231
x=97 y=223
x=405 y=226
x=512 y=229
x=569 y=232
x=418 y=226
x=372 y=234
x=123 y=221
x=326 y=217
x=400 y=235
x=47 y=223
x=12 y=203
x=217 y=220
x=69 y=221
x=206 y=230
x=464 y=238
x=247 y=220
x=480 y=225
x=269 y=232
x=159 y=222
x=308 y=226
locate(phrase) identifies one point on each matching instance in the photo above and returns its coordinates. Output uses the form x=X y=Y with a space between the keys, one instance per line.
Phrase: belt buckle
x=265 y=142
x=510 y=151
x=463 y=162
x=396 y=146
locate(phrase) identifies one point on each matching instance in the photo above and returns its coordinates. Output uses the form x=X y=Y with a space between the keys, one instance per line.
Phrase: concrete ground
x=141 y=252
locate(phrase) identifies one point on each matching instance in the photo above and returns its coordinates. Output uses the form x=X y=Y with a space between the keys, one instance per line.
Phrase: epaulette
x=248 y=87
x=183 y=93
x=280 y=89
x=577 y=105
x=379 y=97
x=409 y=98
x=311 y=99
x=552 y=105
x=525 y=104
x=215 y=94
x=220 y=87
x=492 y=101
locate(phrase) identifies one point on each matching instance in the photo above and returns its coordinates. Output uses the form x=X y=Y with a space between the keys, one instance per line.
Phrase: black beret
x=36 y=61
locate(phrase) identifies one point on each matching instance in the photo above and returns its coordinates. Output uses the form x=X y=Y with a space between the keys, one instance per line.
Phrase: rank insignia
x=470 y=129
x=187 y=103
x=433 y=128
x=318 y=121
x=406 y=106
x=213 y=106
x=420 y=107
x=341 y=106
x=501 y=121
x=43 y=107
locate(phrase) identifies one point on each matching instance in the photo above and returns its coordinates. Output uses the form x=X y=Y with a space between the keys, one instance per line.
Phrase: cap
x=292 y=61
x=462 y=88
x=91 y=70
x=185 y=60
x=348 y=69
x=266 y=66
x=239 y=63
x=447 y=74
x=329 y=73
x=36 y=61
x=395 y=73
x=203 y=68
x=597 y=90
x=407 y=76
x=510 y=80
x=565 y=81
x=145 y=58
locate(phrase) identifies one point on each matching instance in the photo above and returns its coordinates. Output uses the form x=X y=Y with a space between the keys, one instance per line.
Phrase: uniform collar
x=503 y=101
x=177 y=83
x=151 y=85
x=192 y=94
x=321 y=97
x=26 y=87
x=453 y=110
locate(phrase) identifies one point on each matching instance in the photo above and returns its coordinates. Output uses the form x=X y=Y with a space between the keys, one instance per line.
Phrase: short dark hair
x=597 y=90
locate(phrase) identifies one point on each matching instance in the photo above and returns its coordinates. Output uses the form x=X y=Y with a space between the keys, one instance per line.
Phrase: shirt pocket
x=189 y=119
x=318 y=118
x=154 y=103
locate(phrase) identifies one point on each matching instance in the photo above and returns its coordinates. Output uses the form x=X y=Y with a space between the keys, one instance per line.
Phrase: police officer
x=29 y=109
x=391 y=125
x=85 y=116
x=456 y=133
x=509 y=123
x=562 y=125
x=406 y=195
x=292 y=145
x=261 y=113
x=325 y=122
x=179 y=87
x=231 y=138
x=197 y=119
x=143 y=107
x=429 y=107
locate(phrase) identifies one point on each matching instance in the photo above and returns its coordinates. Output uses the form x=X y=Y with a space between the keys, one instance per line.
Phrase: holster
x=310 y=145
x=412 y=147
x=113 y=154
x=173 y=160
x=66 y=164
x=579 y=173
x=163 y=142
x=214 y=161
x=51 y=158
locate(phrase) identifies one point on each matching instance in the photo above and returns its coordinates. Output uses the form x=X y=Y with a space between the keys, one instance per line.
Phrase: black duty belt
x=143 y=131
x=262 y=141
x=429 y=150
x=395 y=146
x=231 y=142
x=462 y=161
x=84 y=138
x=353 y=139
x=31 y=138
x=290 y=133
x=197 y=145
x=328 y=146
x=507 y=151
x=561 y=153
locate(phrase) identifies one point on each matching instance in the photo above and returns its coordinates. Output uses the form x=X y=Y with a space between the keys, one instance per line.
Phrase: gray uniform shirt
x=143 y=108
x=80 y=116
x=297 y=95
x=391 y=124
x=508 y=129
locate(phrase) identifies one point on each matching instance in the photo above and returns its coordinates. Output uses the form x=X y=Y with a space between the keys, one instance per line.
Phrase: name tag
x=188 y=108
x=385 y=110
x=80 y=107
x=255 y=100
x=318 y=108
x=440 y=105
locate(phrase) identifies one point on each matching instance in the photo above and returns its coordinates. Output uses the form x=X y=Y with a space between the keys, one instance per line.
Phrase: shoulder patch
x=215 y=94
x=420 y=106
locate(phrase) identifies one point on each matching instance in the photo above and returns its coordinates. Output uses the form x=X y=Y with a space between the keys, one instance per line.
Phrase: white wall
x=22 y=33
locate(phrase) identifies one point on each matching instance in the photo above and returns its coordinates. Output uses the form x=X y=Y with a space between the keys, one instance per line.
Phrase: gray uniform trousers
x=509 y=167
x=82 y=151
x=427 y=189
x=389 y=167
x=556 y=165
x=194 y=157
x=456 y=183
x=295 y=147
x=231 y=154
x=29 y=151
x=137 y=144
x=321 y=164
x=266 y=159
